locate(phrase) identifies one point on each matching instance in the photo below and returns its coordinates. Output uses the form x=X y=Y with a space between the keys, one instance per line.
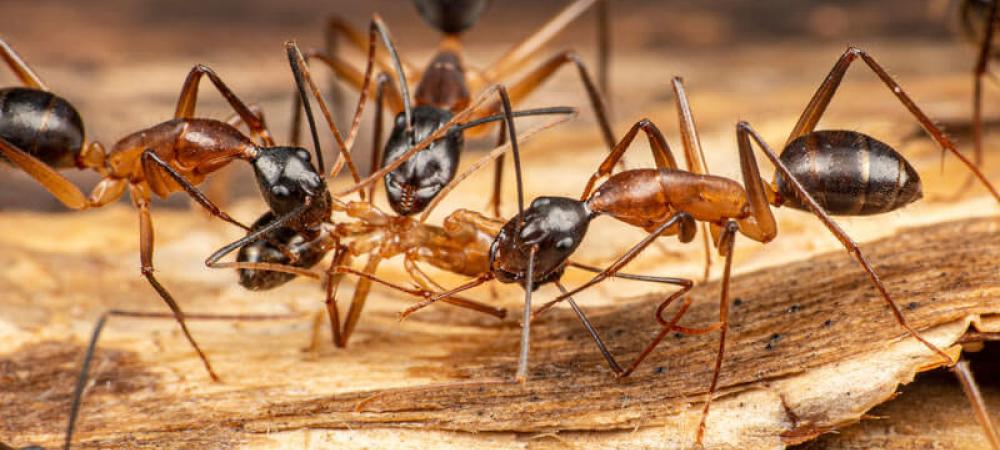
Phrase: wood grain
x=811 y=337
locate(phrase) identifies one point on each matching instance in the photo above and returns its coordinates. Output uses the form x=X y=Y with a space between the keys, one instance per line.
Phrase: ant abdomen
x=265 y=250
x=42 y=124
x=848 y=173
x=451 y=16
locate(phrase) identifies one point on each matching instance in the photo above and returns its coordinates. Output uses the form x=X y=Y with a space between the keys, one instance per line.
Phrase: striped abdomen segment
x=848 y=173
x=42 y=124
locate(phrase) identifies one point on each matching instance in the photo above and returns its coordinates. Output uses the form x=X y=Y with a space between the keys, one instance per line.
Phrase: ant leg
x=235 y=120
x=743 y=130
x=432 y=297
x=62 y=189
x=622 y=260
x=443 y=296
x=340 y=257
x=696 y=163
x=726 y=245
x=428 y=284
x=20 y=67
x=361 y=290
x=592 y=331
x=189 y=97
x=81 y=379
x=141 y=201
x=817 y=106
x=516 y=57
x=657 y=143
x=978 y=74
x=521 y=376
x=760 y=225
x=963 y=372
x=537 y=76
x=153 y=164
x=337 y=27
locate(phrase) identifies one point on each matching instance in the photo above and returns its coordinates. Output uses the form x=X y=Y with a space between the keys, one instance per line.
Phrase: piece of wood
x=812 y=348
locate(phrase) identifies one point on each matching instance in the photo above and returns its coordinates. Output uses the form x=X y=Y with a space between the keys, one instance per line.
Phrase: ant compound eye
x=564 y=244
x=303 y=154
x=280 y=191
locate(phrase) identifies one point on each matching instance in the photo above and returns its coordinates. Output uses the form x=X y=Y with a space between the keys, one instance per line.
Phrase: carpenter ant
x=40 y=132
x=823 y=172
x=446 y=87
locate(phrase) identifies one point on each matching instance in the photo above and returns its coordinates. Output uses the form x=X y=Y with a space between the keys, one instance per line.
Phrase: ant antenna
x=523 y=113
x=512 y=135
x=379 y=27
x=294 y=56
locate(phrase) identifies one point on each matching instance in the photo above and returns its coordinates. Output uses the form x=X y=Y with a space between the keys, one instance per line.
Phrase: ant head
x=554 y=225
x=412 y=186
x=451 y=16
x=265 y=250
x=286 y=177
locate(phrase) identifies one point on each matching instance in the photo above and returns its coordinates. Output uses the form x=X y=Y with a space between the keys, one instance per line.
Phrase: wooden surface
x=62 y=270
x=434 y=372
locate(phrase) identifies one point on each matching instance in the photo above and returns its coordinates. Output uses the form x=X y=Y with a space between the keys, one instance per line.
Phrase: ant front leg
x=429 y=285
x=821 y=99
x=591 y=331
x=21 y=68
x=140 y=197
x=153 y=165
x=189 y=97
x=744 y=132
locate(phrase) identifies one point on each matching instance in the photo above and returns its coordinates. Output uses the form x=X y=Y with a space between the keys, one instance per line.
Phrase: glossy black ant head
x=412 y=186
x=265 y=250
x=286 y=178
x=555 y=225
x=451 y=16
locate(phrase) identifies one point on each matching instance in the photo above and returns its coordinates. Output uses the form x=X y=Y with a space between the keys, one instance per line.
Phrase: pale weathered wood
x=826 y=375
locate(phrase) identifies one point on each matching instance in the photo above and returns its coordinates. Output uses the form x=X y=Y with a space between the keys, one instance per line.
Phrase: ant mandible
x=172 y=156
